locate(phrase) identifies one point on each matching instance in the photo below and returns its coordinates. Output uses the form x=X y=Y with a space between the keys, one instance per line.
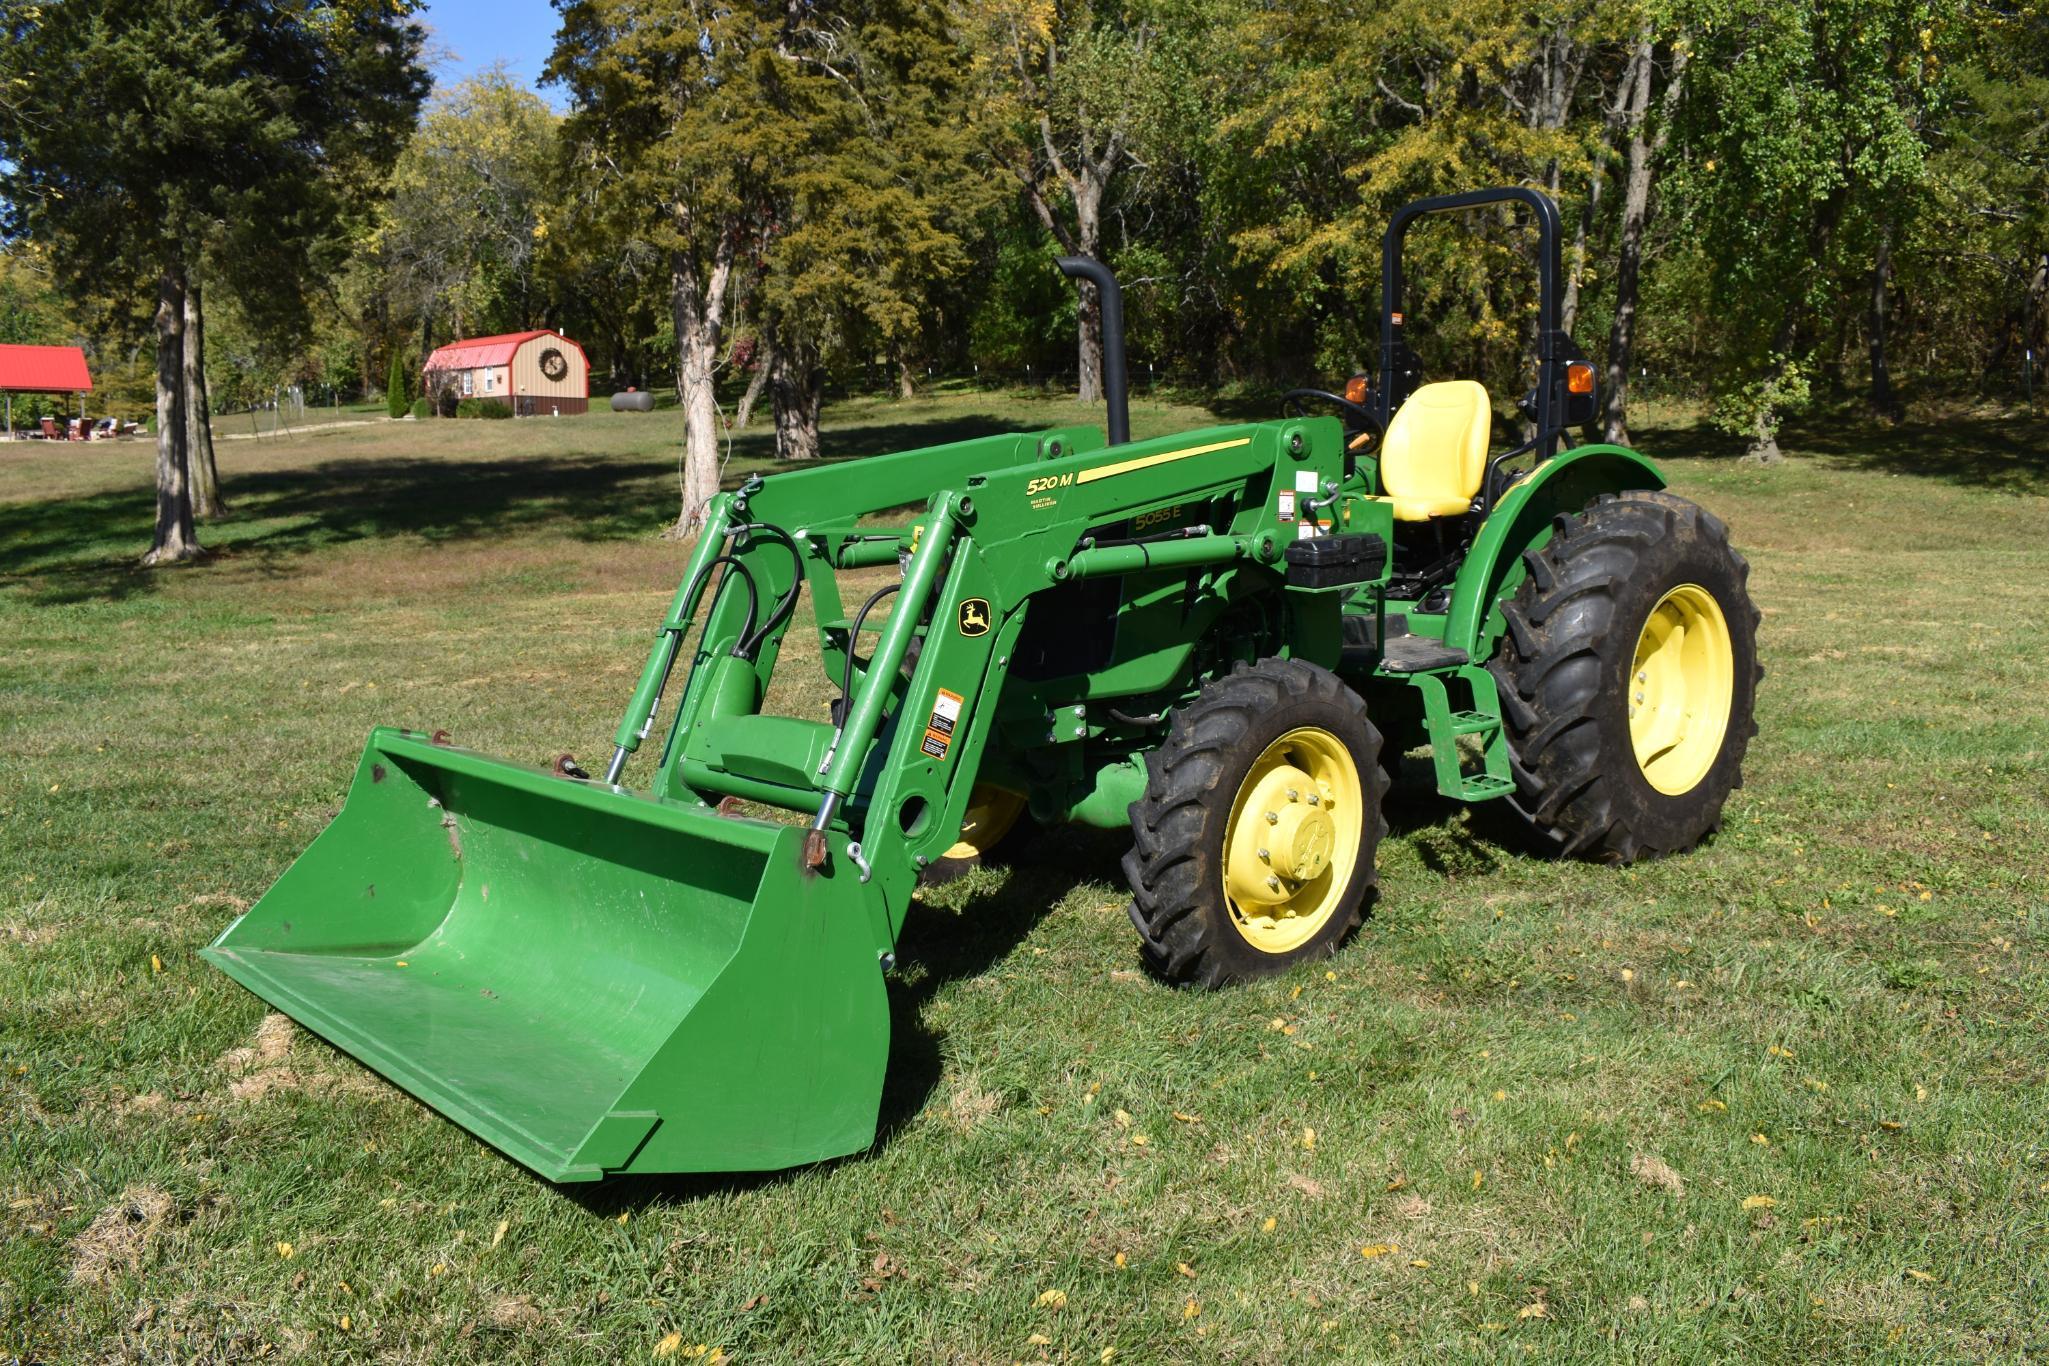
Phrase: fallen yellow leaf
x=1478 y=1178
x=1309 y=1139
x=1501 y=1095
x=1330 y=976
x=1919 y=1275
x=1713 y=1105
x=1187 y=1118
x=1292 y=995
x=1190 y=1310
x=1123 y=1118
x=1108 y=1352
x=624 y=1215
x=156 y=964
x=1419 y=1263
x=1758 y=1202
x=438 y=1269
x=1760 y=1140
x=1628 y=975
x=1533 y=1311
x=1379 y=1249
x=498 y=1236
x=1038 y=1340
x=1120 y=1261
x=284 y=1250
x=668 y=1346
x=1185 y=1269
x=1270 y=1225
x=1052 y=1299
x=345 y=1324
x=1139 y=1140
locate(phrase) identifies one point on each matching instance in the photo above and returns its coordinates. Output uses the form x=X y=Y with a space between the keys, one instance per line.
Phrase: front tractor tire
x=1627 y=676
x=1253 y=846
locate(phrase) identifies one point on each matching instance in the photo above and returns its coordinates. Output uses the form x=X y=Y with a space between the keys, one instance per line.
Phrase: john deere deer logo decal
x=974 y=617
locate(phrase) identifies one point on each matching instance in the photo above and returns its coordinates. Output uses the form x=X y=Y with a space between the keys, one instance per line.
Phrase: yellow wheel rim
x=1681 y=687
x=991 y=812
x=1292 y=843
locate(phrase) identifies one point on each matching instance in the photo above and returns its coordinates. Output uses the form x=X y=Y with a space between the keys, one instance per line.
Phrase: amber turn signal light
x=1579 y=378
x=1356 y=388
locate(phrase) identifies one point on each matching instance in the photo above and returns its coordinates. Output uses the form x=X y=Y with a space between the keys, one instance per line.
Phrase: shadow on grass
x=938 y=946
x=2006 y=455
x=62 y=550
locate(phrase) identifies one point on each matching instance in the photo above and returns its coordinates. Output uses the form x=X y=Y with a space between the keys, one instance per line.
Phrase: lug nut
x=1313 y=799
x=1265 y=857
x=1293 y=795
x=1273 y=818
x=1273 y=884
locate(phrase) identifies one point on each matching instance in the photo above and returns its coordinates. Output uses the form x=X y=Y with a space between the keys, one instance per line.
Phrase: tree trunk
x=177 y=539
x=1883 y=402
x=764 y=360
x=1644 y=148
x=906 y=384
x=199 y=459
x=796 y=389
x=699 y=309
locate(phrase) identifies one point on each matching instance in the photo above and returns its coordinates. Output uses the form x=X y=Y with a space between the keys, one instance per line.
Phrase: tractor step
x=1398 y=651
x=1408 y=654
x=1447 y=727
x=1478 y=787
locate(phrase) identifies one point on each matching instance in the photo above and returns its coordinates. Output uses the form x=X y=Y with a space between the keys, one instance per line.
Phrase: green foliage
x=482 y=407
x=395 y=385
x=1756 y=408
x=285 y=116
x=423 y=406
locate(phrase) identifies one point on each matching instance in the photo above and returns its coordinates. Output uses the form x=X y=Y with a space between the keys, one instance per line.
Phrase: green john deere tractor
x=1218 y=638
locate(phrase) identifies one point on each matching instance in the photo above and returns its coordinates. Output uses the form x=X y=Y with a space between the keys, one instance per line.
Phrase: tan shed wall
x=529 y=382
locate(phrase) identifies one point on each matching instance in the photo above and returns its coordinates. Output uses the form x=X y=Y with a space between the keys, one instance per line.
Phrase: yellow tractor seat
x=1435 y=451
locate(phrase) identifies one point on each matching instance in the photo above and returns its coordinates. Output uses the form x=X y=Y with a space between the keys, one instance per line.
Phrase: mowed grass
x=1783 y=1097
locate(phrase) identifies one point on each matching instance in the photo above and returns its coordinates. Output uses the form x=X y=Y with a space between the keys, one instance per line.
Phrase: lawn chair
x=51 y=431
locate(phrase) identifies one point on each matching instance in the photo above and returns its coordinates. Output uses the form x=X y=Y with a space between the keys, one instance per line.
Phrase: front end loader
x=1223 y=639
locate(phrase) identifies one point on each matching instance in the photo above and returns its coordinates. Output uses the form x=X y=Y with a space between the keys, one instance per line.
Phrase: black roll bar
x=1110 y=307
x=1398 y=366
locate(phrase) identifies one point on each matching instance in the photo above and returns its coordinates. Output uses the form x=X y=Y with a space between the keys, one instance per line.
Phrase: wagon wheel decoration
x=554 y=364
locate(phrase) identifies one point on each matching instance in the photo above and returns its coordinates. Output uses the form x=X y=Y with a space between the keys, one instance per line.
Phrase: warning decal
x=939 y=729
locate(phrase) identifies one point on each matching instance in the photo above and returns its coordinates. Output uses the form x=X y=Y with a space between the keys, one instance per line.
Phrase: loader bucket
x=589 y=979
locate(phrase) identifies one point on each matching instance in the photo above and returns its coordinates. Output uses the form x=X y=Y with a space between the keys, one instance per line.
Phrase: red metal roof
x=472 y=352
x=44 y=370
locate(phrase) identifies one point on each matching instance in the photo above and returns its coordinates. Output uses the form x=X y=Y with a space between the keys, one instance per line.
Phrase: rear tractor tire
x=1627 y=677
x=1253 y=846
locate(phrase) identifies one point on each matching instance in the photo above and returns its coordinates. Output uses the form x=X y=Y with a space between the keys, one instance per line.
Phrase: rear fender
x=1521 y=520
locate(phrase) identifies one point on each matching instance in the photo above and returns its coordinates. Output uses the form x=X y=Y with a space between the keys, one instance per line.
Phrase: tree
x=459 y=236
x=151 y=139
x=1803 y=123
x=869 y=202
x=1066 y=90
x=395 y=386
x=668 y=130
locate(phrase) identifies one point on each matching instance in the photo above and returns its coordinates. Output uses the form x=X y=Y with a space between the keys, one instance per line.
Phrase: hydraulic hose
x=786 y=604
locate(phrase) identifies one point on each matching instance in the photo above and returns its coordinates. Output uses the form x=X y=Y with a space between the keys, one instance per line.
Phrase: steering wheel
x=1365 y=417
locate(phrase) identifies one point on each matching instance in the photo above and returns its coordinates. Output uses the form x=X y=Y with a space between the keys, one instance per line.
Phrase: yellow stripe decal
x=1146 y=462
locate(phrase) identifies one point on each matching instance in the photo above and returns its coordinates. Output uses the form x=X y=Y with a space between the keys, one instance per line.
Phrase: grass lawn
x=1784 y=1097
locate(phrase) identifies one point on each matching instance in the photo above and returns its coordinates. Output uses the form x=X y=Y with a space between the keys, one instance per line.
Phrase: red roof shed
x=536 y=373
x=43 y=370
